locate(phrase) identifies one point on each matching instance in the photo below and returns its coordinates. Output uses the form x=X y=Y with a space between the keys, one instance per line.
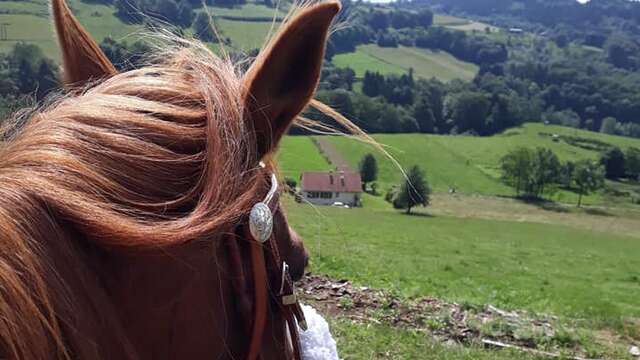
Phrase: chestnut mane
x=144 y=160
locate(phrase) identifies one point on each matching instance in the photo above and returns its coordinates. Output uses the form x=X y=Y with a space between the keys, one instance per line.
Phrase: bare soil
x=451 y=322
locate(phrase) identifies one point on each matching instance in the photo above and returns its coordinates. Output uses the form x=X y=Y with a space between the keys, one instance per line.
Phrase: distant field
x=471 y=164
x=458 y=23
x=245 y=35
x=249 y=10
x=33 y=25
x=29 y=22
x=425 y=63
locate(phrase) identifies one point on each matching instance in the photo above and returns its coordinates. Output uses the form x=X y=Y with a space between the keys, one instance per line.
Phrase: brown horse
x=124 y=205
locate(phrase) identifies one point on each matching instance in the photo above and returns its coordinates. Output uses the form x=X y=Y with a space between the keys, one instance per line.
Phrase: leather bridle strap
x=260 y=304
x=285 y=298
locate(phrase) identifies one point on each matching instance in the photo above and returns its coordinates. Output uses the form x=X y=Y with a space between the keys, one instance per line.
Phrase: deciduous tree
x=414 y=191
x=588 y=176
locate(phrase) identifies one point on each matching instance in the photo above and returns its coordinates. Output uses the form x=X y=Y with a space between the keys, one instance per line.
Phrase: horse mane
x=146 y=159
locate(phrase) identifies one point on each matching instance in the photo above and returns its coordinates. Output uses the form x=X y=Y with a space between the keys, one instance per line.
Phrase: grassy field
x=582 y=266
x=540 y=267
x=458 y=23
x=248 y=10
x=298 y=153
x=425 y=63
x=471 y=164
x=370 y=342
x=30 y=23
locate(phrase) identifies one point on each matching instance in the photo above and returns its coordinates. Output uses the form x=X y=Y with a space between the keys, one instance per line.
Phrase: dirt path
x=330 y=153
x=449 y=322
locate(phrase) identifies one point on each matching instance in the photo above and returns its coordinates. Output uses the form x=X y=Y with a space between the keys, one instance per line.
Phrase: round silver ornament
x=261 y=222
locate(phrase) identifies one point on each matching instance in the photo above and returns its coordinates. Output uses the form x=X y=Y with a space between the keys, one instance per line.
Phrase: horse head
x=126 y=206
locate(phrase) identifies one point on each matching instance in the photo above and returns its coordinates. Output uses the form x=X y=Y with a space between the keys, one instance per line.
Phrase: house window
x=337 y=194
x=319 y=194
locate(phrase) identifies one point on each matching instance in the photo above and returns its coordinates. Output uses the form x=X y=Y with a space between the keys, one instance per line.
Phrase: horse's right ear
x=83 y=60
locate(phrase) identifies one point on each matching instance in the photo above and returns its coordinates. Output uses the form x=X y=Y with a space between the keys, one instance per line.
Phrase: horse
x=139 y=211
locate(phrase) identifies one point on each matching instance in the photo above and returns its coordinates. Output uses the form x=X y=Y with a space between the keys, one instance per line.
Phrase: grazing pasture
x=299 y=154
x=425 y=63
x=471 y=164
x=458 y=23
x=579 y=265
x=247 y=26
x=29 y=22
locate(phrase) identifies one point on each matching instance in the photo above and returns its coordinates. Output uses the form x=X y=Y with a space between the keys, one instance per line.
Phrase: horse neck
x=175 y=304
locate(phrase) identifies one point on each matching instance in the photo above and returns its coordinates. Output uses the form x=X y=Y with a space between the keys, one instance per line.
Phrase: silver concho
x=261 y=222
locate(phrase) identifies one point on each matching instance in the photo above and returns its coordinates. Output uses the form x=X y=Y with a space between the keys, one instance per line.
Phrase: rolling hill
x=471 y=164
x=247 y=26
x=425 y=63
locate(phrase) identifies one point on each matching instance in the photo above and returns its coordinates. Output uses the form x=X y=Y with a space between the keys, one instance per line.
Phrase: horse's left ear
x=82 y=58
x=284 y=76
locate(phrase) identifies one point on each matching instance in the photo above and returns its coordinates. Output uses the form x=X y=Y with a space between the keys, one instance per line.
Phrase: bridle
x=270 y=273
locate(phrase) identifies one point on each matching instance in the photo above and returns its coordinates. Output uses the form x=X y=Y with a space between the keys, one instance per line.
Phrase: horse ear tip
x=332 y=7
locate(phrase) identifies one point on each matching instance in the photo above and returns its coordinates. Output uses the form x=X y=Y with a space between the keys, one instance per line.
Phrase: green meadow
x=425 y=63
x=582 y=267
x=29 y=22
x=470 y=164
x=458 y=23
x=247 y=26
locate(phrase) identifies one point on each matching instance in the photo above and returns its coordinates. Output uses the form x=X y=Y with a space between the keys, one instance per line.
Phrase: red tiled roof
x=337 y=181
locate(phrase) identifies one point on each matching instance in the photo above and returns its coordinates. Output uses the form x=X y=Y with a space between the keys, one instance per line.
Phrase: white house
x=328 y=188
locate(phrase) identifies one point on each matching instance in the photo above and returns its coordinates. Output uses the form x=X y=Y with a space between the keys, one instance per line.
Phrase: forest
x=572 y=80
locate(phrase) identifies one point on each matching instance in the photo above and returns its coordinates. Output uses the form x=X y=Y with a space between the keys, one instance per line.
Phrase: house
x=328 y=188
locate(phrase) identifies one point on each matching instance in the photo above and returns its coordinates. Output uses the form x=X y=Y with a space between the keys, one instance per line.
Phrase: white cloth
x=317 y=343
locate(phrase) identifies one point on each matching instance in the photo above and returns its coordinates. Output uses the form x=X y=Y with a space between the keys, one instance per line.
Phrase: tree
x=608 y=125
x=613 y=162
x=530 y=171
x=588 y=177
x=424 y=116
x=545 y=170
x=368 y=170
x=632 y=163
x=620 y=51
x=516 y=168
x=468 y=111
x=185 y=13
x=414 y=191
x=203 y=28
x=425 y=18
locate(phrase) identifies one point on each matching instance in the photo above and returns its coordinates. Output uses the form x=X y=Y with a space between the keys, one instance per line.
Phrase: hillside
x=471 y=164
x=28 y=21
x=475 y=250
x=424 y=62
x=247 y=27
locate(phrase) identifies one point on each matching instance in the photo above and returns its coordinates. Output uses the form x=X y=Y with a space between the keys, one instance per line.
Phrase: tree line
x=25 y=75
x=535 y=172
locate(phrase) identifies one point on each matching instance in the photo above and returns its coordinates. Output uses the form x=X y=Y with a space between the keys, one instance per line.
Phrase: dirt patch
x=330 y=153
x=451 y=322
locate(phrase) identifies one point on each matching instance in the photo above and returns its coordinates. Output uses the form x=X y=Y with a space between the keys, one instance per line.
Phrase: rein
x=272 y=283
